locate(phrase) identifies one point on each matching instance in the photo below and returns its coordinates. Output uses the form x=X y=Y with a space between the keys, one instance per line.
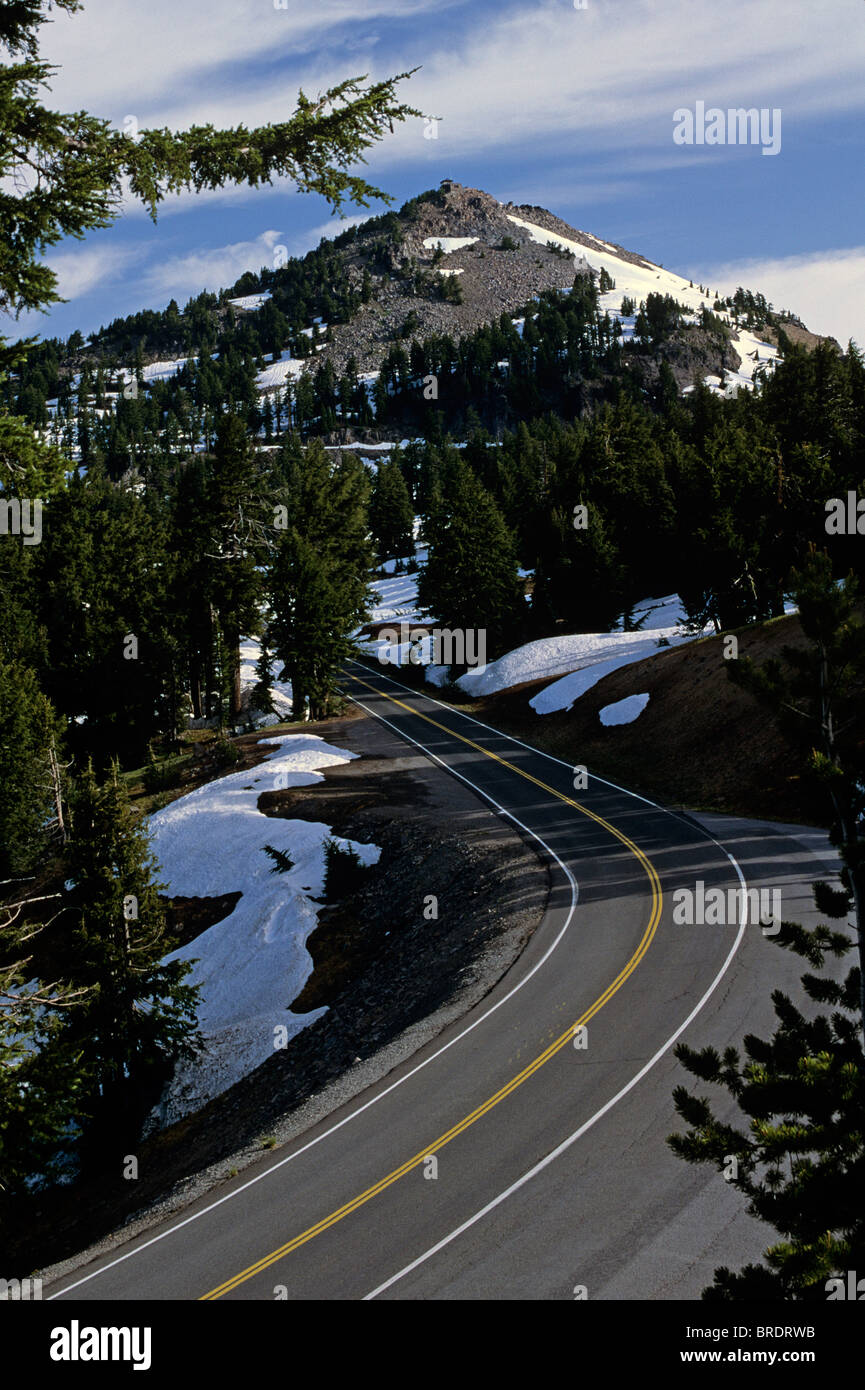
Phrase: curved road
x=521 y=1154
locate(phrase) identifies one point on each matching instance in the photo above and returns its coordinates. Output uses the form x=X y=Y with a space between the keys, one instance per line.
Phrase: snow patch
x=553 y=656
x=253 y=963
x=250 y=301
x=449 y=243
x=623 y=711
x=288 y=368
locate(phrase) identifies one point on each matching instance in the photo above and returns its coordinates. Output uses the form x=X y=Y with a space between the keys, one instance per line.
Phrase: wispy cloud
x=616 y=71
x=159 y=278
x=210 y=268
x=119 y=56
x=498 y=74
x=80 y=272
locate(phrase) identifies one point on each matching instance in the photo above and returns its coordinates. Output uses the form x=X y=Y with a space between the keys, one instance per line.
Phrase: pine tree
x=801 y=1162
x=391 y=514
x=261 y=695
x=579 y=578
x=84 y=162
x=29 y=735
x=470 y=579
x=319 y=575
x=139 y=1017
x=43 y=1088
x=799 y=1159
x=236 y=522
x=107 y=604
x=817 y=694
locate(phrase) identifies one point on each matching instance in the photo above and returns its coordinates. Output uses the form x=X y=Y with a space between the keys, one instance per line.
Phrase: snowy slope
x=638 y=281
x=449 y=244
x=155 y=371
x=253 y=963
x=280 y=691
x=288 y=368
x=396 y=594
x=250 y=301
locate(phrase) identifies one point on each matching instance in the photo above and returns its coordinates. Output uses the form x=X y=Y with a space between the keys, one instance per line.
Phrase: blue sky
x=540 y=102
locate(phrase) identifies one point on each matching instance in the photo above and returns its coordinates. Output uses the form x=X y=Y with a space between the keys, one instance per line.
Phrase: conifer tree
x=470 y=578
x=319 y=576
x=817 y=694
x=799 y=1156
x=261 y=696
x=82 y=163
x=139 y=1016
x=391 y=514
x=42 y=1089
x=237 y=530
x=29 y=734
x=579 y=578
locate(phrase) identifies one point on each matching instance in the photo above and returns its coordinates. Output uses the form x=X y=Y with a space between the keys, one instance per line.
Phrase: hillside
x=701 y=742
x=337 y=342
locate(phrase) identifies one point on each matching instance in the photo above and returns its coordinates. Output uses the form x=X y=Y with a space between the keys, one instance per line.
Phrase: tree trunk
x=232 y=641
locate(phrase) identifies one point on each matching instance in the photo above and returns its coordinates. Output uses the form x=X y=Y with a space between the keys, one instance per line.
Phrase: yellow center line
x=516 y=1081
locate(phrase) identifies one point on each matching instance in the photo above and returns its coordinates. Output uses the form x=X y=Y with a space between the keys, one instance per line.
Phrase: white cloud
x=307 y=240
x=826 y=289
x=617 y=70
x=215 y=268
x=120 y=57
x=79 y=272
x=211 y=268
x=612 y=73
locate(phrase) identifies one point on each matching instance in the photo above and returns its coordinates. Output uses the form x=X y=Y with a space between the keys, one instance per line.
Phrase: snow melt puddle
x=253 y=963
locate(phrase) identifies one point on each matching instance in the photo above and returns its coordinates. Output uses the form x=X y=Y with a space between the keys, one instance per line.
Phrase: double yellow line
x=657 y=902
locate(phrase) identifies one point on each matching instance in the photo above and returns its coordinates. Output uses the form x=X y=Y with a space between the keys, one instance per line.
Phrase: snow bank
x=564 y=693
x=657 y=614
x=552 y=656
x=449 y=243
x=288 y=368
x=395 y=598
x=623 y=711
x=155 y=371
x=250 y=301
x=253 y=963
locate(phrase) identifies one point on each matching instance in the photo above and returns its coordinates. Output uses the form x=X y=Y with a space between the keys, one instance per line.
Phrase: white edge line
x=578 y=1133
x=393 y=1086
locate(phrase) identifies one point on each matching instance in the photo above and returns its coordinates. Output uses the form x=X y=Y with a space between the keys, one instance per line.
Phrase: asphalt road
x=521 y=1154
